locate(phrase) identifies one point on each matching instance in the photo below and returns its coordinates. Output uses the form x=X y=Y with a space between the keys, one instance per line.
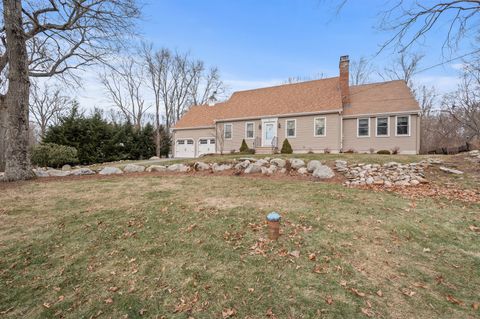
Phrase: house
x=327 y=115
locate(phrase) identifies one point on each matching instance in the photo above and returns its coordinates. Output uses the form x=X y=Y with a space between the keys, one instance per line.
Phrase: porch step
x=263 y=150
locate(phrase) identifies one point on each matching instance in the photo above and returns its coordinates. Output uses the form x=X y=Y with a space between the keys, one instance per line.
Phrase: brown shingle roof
x=312 y=96
x=383 y=97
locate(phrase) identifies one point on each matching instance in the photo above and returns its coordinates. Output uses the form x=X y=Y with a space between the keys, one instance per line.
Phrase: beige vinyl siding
x=407 y=144
x=238 y=134
x=194 y=134
x=305 y=139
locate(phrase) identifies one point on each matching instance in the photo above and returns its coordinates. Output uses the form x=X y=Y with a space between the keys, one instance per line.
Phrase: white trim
x=197 y=146
x=224 y=131
x=409 y=125
x=388 y=126
x=278 y=115
x=358 y=126
x=246 y=136
x=324 y=129
x=286 y=128
x=275 y=120
x=381 y=114
x=190 y=128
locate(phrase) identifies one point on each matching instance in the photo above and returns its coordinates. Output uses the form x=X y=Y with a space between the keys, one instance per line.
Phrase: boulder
x=178 y=168
x=156 y=168
x=110 y=170
x=242 y=165
x=369 y=180
x=66 y=167
x=313 y=165
x=201 y=166
x=434 y=161
x=297 y=163
x=302 y=171
x=154 y=158
x=133 y=168
x=323 y=172
x=474 y=153
x=391 y=164
x=83 y=171
x=40 y=173
x=279 y=162
x=253 y=168
x=58 y=173
x=251 y=159
x=262 y=162
x=340 y=163
x=450 y=170
x=220 y=168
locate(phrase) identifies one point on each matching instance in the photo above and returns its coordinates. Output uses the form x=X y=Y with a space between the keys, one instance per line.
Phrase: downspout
x=341 y=131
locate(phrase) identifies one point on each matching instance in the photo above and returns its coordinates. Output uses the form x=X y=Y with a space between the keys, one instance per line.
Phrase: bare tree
x=124 y=86
x=178 y=82
x=44 y=39
x=360 y=71
x=404 y=68
x=298 y=79
x=463 y=105
x=47 y=104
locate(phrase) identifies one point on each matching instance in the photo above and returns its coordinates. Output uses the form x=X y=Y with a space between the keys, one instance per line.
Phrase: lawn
x=165 y=246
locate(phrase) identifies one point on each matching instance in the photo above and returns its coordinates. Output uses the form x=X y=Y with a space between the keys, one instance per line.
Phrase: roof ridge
x=376 y=83
x=284 y=84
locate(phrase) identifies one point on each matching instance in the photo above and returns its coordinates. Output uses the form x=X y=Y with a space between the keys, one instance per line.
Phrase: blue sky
x=258 y=43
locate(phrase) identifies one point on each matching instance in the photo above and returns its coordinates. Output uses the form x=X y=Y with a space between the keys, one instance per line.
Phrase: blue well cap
x=273 y=217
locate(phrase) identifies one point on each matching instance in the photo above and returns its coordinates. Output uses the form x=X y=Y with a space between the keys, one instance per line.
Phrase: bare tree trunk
x=17 y=160
x=3 y=131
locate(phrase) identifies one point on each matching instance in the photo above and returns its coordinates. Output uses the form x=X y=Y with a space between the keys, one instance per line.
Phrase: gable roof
x=383 y=97
x=304 y=97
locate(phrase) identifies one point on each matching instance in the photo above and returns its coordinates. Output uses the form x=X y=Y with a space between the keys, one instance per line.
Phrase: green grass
x=194 y=246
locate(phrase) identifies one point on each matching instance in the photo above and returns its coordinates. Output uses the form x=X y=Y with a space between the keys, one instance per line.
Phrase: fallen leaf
x=367 y=312
x=475 y=305
x=46 y=305
x=113 y=289
x=61 y=298
x=474 y=228
x=409 y=293
x=270 y=314
x=229 y=312
x=312 y=257
x=358 y=293
x=250 y=289
x=380 y=293
x=426 y=250
x=295 y=253
x=420 y=285
x=142 y=312
x=454 y=300
x=108 y=300
x=329 y=300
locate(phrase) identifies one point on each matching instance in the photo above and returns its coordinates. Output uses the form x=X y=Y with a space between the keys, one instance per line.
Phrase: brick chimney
x=344 y=80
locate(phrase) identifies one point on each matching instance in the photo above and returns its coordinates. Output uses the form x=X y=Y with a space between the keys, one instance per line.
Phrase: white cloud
x=443 y=84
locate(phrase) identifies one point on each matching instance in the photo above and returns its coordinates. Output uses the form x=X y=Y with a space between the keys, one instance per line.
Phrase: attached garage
x=206 y=146
x=185 y=148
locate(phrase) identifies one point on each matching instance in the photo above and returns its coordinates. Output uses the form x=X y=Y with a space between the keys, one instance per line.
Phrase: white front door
x=206 y=146
x=269 y=132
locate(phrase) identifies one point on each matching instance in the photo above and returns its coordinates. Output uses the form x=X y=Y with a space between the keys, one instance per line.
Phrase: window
x=190 y=142
x=203 y=142
x=320 y=126
x=290 y=127
x=403 y=125
x=249 y=130
x=212 y=141
x=181 y=142
x=227 y=131
x=363 y=126
x=382 y=126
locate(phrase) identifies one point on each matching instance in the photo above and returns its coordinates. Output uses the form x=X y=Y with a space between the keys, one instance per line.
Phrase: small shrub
x=232 y=152
x=310 y=151
x=286 y=147
x=327 y=150
x=350 y=151
x=244 y=147
x=371 y=150
x=251 y=151
x=395 y=150
x=384 y=152
x=53 y=155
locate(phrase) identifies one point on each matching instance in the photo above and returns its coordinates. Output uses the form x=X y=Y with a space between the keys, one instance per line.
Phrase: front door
x=269 y=132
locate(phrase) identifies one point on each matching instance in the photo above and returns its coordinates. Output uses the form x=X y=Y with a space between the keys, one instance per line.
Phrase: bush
x=395 y=150
x=350 y=151
x=384 y=152
x=327 y=150
x=244 y=147
x=286 y=147
x=53 y=155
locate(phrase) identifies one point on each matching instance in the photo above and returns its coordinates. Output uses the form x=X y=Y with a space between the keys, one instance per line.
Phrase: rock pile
x=388 y=175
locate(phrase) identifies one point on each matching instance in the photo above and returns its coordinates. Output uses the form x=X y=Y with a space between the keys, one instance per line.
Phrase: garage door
x=185 y=148
x=206 y=146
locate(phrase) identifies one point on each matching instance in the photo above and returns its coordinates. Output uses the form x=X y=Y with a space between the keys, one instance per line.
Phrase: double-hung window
x=249 y=130
x=320 y=125
x=402 y=125
x=227 y=131
x=363 y=127
x=291 y=128
x=382 y=126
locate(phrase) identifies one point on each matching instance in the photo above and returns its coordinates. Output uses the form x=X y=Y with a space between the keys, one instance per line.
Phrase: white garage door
x=185 y=148
x=206 y=146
